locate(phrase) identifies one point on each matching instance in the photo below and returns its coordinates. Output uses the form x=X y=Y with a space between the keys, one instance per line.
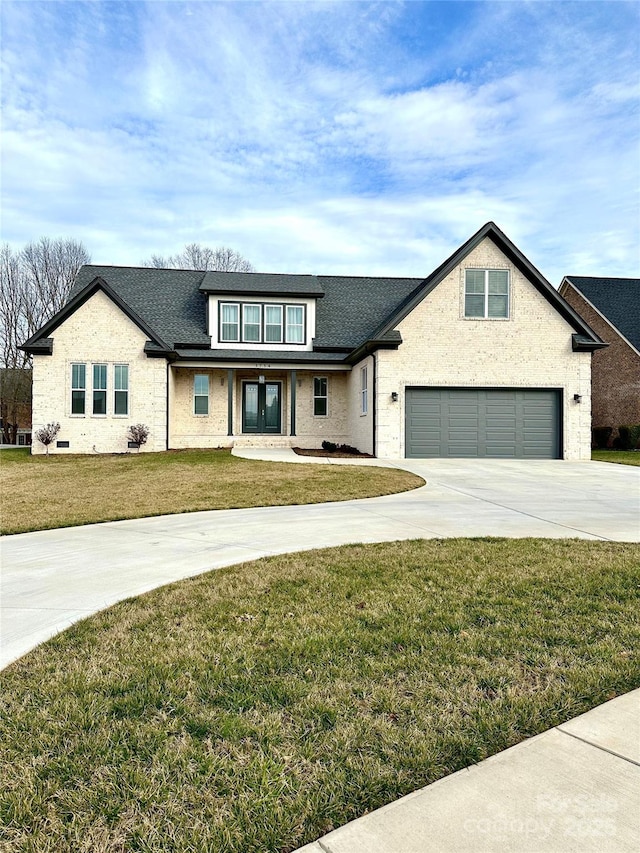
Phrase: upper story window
x=262 y=323
x=486 y=294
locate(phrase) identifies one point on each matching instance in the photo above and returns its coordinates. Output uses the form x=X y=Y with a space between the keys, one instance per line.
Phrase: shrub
x=601 y=436
x=628 y=436
x=329 y=446
x=347 y=448
x=46 y=435
x=138 y=434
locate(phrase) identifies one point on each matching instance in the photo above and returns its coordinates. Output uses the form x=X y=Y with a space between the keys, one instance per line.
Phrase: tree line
x=35 y=283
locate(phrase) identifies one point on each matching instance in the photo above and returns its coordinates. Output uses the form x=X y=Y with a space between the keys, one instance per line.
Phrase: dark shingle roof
x=173 y=302
x=257 y=283
x=167 y=300
x=618 y=299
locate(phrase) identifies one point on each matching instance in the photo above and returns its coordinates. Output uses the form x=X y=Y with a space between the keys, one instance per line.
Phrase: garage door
x=466 y=422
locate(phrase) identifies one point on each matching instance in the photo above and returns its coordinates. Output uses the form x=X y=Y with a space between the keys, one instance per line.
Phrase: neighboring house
x=481 y=358
x=611 y=306
x=15 y=405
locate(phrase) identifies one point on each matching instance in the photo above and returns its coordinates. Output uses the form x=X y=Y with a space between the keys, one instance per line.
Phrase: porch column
x=230 y=380
x=293 y=383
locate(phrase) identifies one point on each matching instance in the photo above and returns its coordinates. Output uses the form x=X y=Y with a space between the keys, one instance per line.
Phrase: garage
x=502 y=423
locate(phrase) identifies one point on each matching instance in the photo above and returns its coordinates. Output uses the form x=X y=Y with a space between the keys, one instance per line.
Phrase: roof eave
x=371 y=346
x=584 y=343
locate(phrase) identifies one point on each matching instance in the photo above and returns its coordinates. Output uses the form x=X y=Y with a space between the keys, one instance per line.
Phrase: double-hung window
x=99 y=389
x=273 y=324
x=486 y=294
x=201 y=394
x=251 y=323
x=295 y=324
x=230 y=322
x=121 y=389
x=364 y=391
x=78 y=388
x=320 y=396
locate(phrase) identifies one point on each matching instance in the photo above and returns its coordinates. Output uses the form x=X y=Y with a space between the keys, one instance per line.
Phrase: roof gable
x=617 y=299
x=510 y=250
x=42 y=343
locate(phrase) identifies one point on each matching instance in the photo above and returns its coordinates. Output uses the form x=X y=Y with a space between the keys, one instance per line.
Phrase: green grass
x=39 y=493
x=622 y=457
x=257 y=707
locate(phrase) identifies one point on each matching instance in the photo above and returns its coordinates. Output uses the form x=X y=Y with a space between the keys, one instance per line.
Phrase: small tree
x=138 y=434
x=46 y=435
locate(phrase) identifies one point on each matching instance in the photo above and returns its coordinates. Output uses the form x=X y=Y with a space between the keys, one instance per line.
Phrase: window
x=251 y=323
x=121 y=389
x=201 y=394
x=295 y=324
x=78 y=388
x=320 y=407
x=99 y=389
x=273 y=324
x=364 y=407
x=230 y=325
x=486 y=293
x=255 y=323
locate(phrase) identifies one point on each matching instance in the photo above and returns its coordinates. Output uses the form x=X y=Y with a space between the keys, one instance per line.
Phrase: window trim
x=238 y=322
x=117 y=390
x=199 y=396
x=486 y=294
x=324 y=397
x=98 y=390
x=364 y=391
x=284 y=310
x=78 y=389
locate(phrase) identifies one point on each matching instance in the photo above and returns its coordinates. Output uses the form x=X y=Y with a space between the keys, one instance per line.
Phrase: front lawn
x=38 y=493
x=622 y=457
x=255 y=708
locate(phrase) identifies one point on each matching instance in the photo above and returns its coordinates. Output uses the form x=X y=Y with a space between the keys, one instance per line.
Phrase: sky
x=336 y=138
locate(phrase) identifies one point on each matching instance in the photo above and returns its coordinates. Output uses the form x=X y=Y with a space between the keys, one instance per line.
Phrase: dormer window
x=261 y=323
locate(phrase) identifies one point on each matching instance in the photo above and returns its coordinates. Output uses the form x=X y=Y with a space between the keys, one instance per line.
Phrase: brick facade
x=615 y=370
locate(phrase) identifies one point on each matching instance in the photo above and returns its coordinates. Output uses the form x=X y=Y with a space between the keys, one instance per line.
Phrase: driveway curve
x=53 y=578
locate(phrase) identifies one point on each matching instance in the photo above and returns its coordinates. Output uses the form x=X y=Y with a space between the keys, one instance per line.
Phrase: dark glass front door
x=261 y=407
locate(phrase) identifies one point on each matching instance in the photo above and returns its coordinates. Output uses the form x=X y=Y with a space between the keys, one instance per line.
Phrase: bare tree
x=34 y=284
x=195 y=256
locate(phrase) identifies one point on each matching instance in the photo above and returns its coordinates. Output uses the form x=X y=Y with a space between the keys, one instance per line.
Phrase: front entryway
x=262 y=407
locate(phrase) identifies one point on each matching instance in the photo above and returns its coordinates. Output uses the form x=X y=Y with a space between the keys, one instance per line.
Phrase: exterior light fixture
x=577 y=398
x=261 y=379
x=394 y=396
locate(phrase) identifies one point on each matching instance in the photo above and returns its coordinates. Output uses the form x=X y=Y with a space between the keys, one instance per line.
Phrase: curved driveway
x=53 y=578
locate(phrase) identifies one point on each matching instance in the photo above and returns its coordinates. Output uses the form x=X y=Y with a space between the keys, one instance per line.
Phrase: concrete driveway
x=51 y=579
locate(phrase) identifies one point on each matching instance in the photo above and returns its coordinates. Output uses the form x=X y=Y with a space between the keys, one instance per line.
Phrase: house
x=481 y=358
x=611 y=307
x=15 y=405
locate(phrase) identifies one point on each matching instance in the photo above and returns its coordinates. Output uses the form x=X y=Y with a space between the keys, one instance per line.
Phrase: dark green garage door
x=466 y=422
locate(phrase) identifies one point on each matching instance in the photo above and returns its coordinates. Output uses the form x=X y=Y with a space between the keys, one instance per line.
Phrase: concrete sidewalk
x=572 y=789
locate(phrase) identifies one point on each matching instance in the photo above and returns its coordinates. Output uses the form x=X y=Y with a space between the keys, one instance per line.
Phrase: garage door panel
x=478 y=422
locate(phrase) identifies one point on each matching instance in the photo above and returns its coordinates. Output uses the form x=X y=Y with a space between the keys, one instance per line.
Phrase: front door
x=261 y=407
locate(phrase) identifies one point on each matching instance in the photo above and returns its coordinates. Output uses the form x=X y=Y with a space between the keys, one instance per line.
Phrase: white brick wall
x=98 y=332
x=532 y=349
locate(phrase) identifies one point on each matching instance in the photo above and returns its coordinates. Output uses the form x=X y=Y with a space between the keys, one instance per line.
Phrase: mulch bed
x=303 y=451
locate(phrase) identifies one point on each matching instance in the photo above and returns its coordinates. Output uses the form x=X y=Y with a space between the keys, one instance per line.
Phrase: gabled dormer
x=247 y=311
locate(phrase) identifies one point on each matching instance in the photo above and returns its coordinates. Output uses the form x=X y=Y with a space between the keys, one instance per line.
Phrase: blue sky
x=345 y=138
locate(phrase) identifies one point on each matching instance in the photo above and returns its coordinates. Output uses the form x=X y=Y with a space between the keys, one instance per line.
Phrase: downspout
x=374 y=408
x=230 y=383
